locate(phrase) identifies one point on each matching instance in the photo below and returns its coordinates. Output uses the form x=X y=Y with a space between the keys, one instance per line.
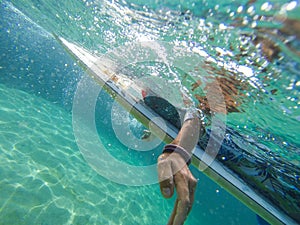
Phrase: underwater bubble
x=266 y=7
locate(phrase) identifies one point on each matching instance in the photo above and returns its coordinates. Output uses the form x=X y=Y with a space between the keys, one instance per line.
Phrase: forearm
x=189 y=134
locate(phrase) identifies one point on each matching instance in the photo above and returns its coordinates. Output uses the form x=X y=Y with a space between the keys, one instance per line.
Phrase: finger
x=192 y=188
x=183 y=195
x=171 y=220
x=165 y=177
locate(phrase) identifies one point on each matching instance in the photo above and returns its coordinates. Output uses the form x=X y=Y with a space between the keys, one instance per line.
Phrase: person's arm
x=174 y=172
x=188 y=135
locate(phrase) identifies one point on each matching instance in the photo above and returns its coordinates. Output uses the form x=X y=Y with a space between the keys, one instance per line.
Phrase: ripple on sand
x=44 y=178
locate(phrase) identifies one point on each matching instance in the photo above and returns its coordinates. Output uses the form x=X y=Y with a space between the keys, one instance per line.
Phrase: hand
x=173 y=171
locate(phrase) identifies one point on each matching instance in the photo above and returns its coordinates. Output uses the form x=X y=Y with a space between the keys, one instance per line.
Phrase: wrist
x=170 y=148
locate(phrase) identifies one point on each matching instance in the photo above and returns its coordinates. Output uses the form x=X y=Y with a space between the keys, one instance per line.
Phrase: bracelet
x=170 y=148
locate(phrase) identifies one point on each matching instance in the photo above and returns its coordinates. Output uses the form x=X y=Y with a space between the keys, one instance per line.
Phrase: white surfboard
x=129 y=95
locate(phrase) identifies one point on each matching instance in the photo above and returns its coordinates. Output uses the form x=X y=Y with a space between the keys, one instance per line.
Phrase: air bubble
x=266 y=7
x=240 y=9
x=290 y=6
x=250 y=10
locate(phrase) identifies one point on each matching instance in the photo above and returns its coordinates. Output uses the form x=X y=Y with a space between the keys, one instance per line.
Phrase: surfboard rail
x=215 y=170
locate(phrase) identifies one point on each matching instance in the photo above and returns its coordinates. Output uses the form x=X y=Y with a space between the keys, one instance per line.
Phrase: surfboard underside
x=229 y=176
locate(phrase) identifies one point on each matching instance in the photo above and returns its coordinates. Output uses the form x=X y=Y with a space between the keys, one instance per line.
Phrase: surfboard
x=231 y=176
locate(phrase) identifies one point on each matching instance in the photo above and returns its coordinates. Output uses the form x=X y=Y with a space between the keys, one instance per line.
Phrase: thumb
x=165 y=176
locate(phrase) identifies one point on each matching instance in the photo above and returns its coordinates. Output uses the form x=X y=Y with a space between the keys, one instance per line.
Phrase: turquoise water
x=45 y=179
